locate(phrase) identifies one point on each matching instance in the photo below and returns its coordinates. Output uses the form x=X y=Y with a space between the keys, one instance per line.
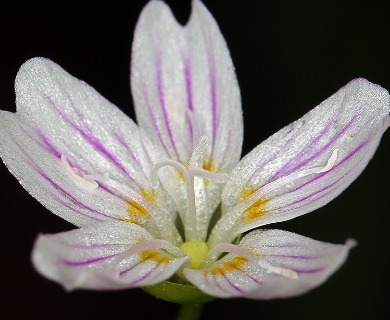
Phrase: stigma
x=197 y=167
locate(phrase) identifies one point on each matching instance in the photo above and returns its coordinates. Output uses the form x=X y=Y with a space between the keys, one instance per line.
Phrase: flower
x=129 y=188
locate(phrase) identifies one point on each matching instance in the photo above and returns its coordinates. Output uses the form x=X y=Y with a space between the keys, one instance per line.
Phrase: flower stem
x=190 y=311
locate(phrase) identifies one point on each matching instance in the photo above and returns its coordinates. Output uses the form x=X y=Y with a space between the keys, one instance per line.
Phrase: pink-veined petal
x=308 y=163
x=47 y=178
x=63 y=129
x=275 y=264
x=106 y=256
x=71 y=118
x=184 y=87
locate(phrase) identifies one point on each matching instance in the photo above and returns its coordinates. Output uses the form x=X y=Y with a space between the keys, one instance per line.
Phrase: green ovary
x=196 y=250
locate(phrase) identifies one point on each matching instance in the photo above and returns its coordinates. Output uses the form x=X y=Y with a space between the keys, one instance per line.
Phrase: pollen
x=208 y=165
x=136 y=213
x=196 y=250
x=153 y=255
x=149 y=195
x=245 y=193
x=256 y=210
x=181 y=175
x=236 y=263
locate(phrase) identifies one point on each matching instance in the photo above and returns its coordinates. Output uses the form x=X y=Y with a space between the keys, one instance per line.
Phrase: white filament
x=82 y=180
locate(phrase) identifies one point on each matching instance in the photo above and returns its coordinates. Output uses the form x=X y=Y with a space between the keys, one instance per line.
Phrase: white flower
x=129 y=188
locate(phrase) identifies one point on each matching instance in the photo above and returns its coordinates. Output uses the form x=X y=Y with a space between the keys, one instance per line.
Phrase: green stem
x=190 y=311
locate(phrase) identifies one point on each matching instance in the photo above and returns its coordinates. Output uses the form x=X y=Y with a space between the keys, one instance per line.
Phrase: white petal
x=75 y=120
x=184 y=87
x=311 y=161
x=60 y=117
x=104 y=257
x=312 y=260
x=282 y=265
x=46 y=177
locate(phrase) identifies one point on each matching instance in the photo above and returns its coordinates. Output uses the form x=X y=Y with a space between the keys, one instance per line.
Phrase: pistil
x=196 y=250
x=194 y=169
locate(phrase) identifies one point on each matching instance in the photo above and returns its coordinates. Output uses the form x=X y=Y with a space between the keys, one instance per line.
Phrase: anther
x=150 y=245
x=240 y=251
x=274 y=185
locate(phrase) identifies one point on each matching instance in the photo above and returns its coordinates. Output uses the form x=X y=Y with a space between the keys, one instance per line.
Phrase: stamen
x=198 y=153
x=150 y=245
x=231 y=248
x=301 y=174
x=274 y=185
x=331 y=162
x=165 y=225
x=130 y=194
x=83 y=180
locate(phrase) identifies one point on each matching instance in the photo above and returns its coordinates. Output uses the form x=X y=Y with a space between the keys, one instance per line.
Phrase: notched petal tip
x=184 y=87
x=351 y=243
x=155 y=8
x=386 y=123
x=32 y=66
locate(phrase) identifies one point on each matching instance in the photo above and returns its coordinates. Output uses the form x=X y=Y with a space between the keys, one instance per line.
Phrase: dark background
x=289 y=56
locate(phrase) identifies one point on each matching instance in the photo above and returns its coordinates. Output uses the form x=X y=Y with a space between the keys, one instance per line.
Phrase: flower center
x=195 y=169
x=196 y=250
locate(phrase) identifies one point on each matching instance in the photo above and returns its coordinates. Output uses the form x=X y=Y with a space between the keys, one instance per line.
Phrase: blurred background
x=289 y=57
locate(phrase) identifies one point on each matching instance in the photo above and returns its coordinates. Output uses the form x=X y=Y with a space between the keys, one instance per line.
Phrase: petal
x=75 y=120
x=283 y=264
x=59 y=117
x=184 y=87
x=107 y=256
x=46 y=178
x=310 y=162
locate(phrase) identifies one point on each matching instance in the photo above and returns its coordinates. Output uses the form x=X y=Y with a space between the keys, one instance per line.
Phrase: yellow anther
x=137 y=213
x=153 y=255
x=208 y=165
x=236 y=263
x=257 y=209
x=149 y=195
x=245 y=193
